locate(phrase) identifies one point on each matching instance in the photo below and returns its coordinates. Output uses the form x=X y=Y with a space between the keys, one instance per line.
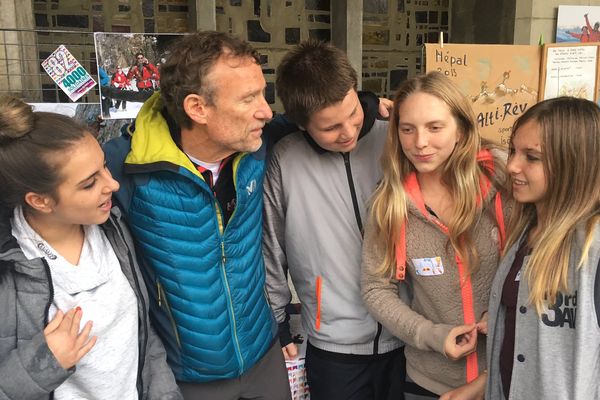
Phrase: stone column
x=346 y=31
x=205 y=15
x=19 y=64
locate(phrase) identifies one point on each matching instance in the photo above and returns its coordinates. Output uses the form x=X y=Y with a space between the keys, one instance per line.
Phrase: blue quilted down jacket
x=208 y=304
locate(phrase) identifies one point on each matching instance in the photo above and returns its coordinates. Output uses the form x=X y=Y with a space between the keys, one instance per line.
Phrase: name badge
x=428 y=266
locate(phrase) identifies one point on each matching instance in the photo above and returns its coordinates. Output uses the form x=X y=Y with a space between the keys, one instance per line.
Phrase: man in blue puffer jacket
x=191 y=171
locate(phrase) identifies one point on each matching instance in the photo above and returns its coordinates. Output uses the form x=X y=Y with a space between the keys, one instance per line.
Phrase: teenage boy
x=317 y=186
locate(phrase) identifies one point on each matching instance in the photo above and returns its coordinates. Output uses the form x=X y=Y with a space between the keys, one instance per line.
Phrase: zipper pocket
x=162 y=298
x=318 y=294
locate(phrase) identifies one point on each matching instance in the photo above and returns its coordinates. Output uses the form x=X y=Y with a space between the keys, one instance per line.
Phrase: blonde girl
x=435 y=231
x=544 y=313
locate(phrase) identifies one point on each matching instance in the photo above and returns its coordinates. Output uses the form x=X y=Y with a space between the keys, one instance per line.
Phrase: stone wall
x=393 y=30
x=393 y=34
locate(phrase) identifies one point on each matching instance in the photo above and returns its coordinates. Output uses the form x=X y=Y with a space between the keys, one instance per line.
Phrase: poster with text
x=579 y=24
x=68 y=74
x=500 y=81
x=129 y=70
x=570 y=69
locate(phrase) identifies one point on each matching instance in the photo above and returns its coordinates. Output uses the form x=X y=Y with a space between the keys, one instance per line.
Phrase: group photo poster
x=500 y=81
x=129 y=70
x=578 y=24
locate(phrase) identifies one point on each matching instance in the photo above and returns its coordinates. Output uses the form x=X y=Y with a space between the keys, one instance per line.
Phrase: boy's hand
x=385 y=107
x=290 y=351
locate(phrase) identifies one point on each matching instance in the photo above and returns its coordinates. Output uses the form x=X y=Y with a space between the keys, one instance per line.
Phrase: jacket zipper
x=51 y=286
x=346 y=157
x=237 y=342
x=376 y=341
x=142 y=350
x=163 y=298
x=222 y=228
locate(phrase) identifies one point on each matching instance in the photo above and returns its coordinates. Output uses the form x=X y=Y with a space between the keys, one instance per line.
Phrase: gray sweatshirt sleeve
x=274 y=241
x=387 y=300
x=31 y=371
x=162 y=383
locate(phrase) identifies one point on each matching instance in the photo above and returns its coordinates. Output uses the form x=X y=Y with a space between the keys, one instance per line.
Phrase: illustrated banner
x=501 y=81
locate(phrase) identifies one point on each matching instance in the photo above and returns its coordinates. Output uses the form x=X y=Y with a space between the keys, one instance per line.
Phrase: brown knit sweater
x=435 y=304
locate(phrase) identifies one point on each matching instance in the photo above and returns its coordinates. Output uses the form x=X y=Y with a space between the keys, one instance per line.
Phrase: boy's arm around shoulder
x=387 y=304
x=274 y=248
x=30 y=371
x=276 y=129
x=115 y=153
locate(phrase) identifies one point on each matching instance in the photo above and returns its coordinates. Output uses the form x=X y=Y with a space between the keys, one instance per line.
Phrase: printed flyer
x=68 y=74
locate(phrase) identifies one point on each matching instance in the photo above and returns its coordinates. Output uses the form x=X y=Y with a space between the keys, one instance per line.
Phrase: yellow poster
x=501 y=81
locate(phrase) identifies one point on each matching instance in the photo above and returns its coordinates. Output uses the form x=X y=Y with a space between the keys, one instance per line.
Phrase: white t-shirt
x=214 y=168
x=97 y=285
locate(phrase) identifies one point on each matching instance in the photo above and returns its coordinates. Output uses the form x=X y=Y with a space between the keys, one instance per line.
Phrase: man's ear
x=196 y=107
x=40 y=202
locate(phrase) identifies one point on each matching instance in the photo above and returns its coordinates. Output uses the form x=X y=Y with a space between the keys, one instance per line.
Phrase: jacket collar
x=152 y=142
x=8 y=243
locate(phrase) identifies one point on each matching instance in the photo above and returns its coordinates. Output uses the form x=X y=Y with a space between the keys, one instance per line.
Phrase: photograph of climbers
x=129 y=70
x=579 y=24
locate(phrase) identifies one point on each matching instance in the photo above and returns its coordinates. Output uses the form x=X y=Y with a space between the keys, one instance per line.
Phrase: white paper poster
x=68 y=74
x=571 y=71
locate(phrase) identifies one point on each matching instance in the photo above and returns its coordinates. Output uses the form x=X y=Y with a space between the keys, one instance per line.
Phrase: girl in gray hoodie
x=544 y=313
x=73 y=307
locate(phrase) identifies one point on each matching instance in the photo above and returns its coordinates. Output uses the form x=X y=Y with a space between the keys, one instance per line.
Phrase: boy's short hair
x=188 y=65
x=312 y=76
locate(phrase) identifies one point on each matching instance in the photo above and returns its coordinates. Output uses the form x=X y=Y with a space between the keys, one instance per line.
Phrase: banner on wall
x=500 y=81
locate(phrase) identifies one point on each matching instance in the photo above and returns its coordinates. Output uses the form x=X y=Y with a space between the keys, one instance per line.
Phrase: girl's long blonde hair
x=461 y=174
x=570 y=142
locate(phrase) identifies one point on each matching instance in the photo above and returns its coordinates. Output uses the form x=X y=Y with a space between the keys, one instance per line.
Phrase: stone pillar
x=19 y=64
x=473 y=21
x=205 y=15
x=346 y=31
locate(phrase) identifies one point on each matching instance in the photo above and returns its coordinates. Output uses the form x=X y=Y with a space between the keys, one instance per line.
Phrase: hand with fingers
x=471 y=391
x=482 y=325
x=461 y=341
x=385 y=107
x=290 y=351
x=66 y=342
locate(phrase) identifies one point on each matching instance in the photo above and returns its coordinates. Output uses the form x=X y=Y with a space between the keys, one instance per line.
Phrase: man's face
x=336 y=127
x=239 y=110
